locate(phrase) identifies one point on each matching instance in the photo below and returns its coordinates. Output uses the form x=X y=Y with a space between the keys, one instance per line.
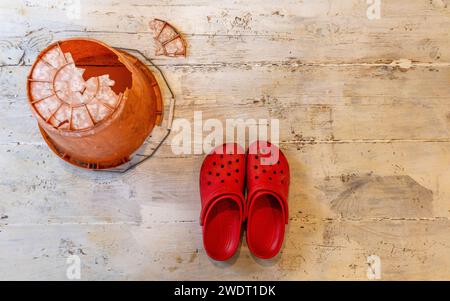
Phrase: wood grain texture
x=364 y=114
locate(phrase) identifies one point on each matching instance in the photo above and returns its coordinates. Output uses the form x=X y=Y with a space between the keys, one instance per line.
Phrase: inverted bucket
x=95 y=105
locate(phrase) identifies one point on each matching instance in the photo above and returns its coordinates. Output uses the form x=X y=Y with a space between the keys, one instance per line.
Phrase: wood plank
x=298 y=124
x=310 y=31
x=313 y=104
x=219 y=49
x=287 y=84
x=414 y=250
x=380 y=180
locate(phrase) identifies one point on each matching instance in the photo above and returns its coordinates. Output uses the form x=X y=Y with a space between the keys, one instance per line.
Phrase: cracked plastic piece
x=95 y=105
x=168 y=40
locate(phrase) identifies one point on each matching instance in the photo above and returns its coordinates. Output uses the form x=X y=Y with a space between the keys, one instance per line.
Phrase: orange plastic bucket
x=95 y=104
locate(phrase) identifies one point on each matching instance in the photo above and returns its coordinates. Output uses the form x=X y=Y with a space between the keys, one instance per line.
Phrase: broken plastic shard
x=167 y=39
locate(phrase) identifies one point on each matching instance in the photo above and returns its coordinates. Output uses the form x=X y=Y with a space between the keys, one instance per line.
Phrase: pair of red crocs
x=225 y=174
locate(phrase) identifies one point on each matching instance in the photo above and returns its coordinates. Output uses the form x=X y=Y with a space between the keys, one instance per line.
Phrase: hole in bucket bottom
x=98 y=60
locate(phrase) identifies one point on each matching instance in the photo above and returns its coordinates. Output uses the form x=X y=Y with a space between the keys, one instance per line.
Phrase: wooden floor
x=364 y=109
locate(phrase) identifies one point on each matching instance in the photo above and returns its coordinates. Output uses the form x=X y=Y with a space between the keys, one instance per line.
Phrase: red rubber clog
x=267 y=207
x=222 y=179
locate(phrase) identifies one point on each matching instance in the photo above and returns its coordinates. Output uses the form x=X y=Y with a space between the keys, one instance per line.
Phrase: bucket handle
x=169 y=118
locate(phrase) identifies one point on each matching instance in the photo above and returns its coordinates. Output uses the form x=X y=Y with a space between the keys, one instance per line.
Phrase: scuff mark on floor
x=372 y=196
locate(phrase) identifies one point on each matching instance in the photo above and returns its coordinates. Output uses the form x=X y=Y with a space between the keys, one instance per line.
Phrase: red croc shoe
x=267 y=207
x=222 y=180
